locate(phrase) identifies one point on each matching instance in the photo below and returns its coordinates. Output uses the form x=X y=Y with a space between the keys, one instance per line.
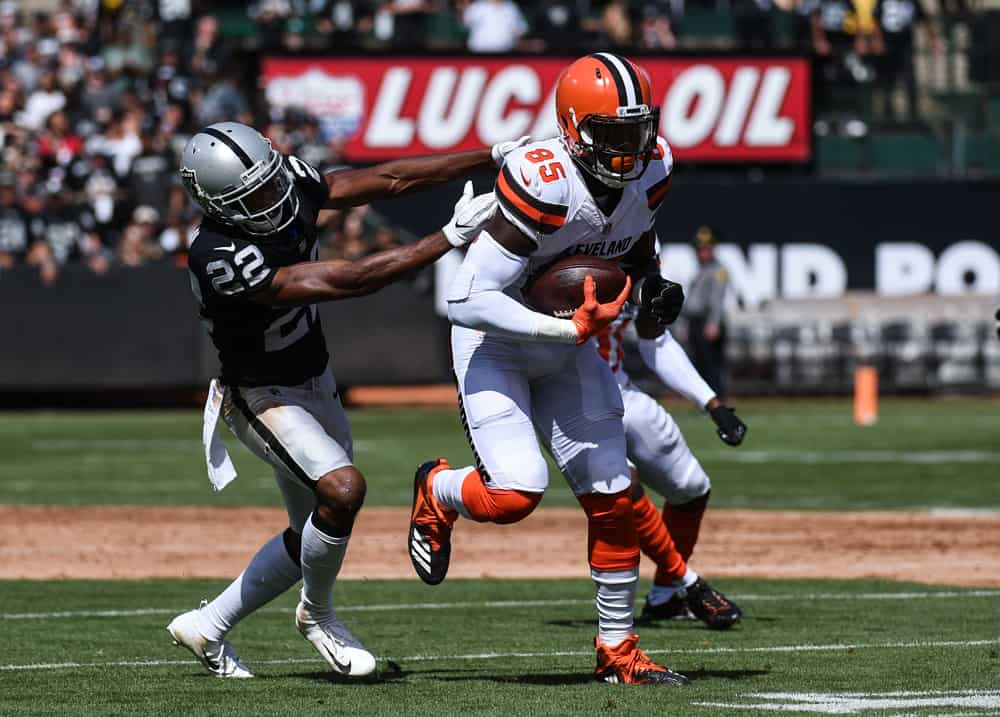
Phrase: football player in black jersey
x=254 y=272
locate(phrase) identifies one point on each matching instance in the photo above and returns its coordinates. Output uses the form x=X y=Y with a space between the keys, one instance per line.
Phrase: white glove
x=501 y=149
x=471 y=213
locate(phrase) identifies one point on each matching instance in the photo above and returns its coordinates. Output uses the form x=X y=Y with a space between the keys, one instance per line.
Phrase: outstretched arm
x=314 y=281
x=353 y=187
x=310 y=282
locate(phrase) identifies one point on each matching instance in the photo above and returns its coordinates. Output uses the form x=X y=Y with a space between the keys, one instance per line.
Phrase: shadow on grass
x=658 y=624
x=733 y=675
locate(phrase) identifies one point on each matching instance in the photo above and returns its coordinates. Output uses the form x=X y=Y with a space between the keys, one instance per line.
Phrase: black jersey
x=260 y=345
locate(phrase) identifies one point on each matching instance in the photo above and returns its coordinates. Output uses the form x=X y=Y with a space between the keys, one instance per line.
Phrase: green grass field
x=488 y=647
x=797 y=455
x=516 y=647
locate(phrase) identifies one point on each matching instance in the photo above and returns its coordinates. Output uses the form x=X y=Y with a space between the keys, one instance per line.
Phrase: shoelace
x=638 y=661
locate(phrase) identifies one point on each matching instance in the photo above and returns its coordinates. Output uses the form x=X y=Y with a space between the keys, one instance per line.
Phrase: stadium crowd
x=98 y=97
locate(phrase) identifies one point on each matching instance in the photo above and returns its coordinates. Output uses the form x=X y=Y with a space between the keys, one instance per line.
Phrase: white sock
x=322 y=556
x=615 y=604
x=270 y=573
x=447 y=488
x=659 y=594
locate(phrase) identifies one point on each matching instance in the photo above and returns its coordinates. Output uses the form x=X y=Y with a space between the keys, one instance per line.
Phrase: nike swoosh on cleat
x=344 y=667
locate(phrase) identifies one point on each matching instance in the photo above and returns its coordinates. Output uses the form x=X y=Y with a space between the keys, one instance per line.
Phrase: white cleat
x=218 y=656
x=336 y=644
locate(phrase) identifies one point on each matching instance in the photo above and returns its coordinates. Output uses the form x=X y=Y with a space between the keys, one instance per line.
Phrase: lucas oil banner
x=711 y=109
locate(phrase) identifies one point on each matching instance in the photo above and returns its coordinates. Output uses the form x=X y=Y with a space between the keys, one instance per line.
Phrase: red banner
x=716 y=109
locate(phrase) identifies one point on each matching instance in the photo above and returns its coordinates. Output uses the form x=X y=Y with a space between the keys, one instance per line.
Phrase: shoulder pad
x=308 y=178
x=533 y=190
x=658 y=176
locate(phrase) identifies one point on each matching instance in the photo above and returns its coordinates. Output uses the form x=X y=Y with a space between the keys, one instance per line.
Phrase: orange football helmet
x=606 y=115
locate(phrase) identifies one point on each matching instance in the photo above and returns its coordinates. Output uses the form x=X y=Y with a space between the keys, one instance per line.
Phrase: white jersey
x=542 y=192
x=611 y=343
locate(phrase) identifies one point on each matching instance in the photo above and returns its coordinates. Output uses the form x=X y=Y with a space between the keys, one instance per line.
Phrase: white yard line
x=529 y=655
x=391 y=607
x=851 y=456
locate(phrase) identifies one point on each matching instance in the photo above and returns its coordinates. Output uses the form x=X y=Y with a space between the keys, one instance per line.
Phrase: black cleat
x=627 y=664
x=676 y=608
x=429 y=539
x=710 y=606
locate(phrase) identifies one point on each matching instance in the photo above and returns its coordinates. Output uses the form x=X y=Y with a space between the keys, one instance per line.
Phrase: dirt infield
x=131 y=542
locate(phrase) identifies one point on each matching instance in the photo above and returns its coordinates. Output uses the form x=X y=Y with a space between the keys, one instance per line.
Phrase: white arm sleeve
x=671 y=364
x=476 y=299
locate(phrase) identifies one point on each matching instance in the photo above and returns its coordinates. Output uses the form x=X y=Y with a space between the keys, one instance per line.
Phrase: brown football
x=557 y=289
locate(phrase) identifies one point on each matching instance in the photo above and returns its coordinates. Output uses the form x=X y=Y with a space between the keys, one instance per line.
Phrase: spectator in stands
x=45 y=99
x=150 y=173
x=556 y=27
x=120 y=141
x=494 y=26
x=103 y=196
x=137 y=245
x=15 y=224
x=384 y=238
x=409 y=22
x=613 y=26
x=58 y=145
x=208 y=51
x=350 y=243
x=224 y=101
x=656 y=29
x=180 y=223
x=842 y=35
x=896 y=21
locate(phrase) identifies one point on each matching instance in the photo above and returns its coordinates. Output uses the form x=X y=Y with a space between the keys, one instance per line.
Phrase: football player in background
x=254 y=272
x=663 y=462
x=594 y=190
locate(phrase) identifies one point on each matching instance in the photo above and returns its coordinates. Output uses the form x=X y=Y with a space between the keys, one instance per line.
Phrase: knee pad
x=497 y=505
x=612 y=542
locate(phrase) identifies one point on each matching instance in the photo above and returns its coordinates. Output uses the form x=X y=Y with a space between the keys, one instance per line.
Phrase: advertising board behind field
x=712 y=108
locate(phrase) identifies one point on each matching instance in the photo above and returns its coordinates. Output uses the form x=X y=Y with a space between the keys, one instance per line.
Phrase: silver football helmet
x=237 y=177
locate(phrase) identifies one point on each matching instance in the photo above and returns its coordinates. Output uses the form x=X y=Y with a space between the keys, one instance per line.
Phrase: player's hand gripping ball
x=557 y=290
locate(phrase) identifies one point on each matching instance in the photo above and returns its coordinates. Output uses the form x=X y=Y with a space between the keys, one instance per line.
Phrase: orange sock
x=496 y=505
x=656 y=543
x=684 y=522
x=612 y=542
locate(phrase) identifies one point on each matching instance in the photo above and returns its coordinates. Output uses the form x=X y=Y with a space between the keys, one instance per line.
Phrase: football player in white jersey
x=594 y=190
x=662 y=461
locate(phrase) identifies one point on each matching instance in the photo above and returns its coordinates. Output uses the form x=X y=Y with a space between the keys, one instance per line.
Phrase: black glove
x=998 y=327
x=661 y=298
x=731 y=428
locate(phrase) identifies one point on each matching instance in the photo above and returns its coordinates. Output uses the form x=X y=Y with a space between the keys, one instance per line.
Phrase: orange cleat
x=429 y=541
x=627 y=664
